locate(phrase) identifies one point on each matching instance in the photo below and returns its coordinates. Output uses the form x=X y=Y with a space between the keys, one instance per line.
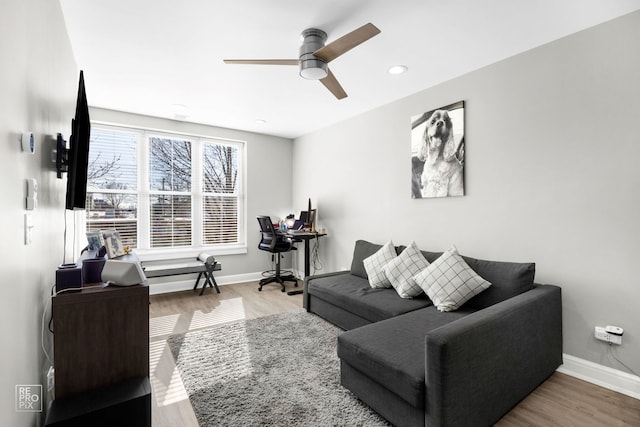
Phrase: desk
x=306 y=237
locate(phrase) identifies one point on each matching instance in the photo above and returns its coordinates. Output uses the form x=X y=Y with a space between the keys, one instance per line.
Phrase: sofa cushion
x=362 y=250
x=375 y=263
x=401 y=270
x=392 y=352
x=449 y=281
x=353 y=293
x=508 y=279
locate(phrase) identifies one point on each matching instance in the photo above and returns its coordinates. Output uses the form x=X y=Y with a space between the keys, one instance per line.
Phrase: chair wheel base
x=279 y=280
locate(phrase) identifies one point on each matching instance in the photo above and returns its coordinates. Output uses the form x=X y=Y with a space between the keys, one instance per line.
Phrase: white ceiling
x=143 y=56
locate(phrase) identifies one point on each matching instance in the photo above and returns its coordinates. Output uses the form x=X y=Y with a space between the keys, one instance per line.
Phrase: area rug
x=279 y=370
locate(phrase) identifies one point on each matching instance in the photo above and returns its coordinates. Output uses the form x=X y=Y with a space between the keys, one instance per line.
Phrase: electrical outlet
x=602 y=335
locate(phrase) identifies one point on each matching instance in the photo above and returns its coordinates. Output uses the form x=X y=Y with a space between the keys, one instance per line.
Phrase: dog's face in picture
x=438 y=131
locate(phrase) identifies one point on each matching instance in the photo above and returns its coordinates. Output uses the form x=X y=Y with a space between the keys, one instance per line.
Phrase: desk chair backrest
x=272 y=241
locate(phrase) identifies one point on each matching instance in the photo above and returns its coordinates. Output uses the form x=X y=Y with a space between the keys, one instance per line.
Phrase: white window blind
x=170 y=220
x=170 y=164
x=220 y=193
x=112 y=201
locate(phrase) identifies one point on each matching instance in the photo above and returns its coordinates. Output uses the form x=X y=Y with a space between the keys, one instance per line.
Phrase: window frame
x=138 y=135
x=144 y=192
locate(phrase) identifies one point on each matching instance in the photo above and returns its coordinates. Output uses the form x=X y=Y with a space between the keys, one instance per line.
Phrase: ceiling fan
x=314 y=55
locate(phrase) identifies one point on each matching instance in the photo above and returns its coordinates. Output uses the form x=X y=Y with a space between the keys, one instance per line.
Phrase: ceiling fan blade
x=347 y=42
x=263 y=61
x=331 y=83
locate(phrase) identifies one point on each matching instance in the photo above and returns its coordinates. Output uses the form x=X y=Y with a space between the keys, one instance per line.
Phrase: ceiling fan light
x=313 y=69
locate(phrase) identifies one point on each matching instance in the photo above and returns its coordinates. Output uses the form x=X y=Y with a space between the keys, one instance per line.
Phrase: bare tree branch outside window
x=100 y=168
x=170 y=164
x=220 y=169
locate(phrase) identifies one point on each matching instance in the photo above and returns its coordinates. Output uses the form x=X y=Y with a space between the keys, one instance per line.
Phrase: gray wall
x=38 y=85
x=268 y=178
x=552 y=145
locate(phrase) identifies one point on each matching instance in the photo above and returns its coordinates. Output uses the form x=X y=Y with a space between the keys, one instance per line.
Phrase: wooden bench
x=186 y=266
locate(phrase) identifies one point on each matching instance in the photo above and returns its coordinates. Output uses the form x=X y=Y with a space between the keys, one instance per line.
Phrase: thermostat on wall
x=28 y=142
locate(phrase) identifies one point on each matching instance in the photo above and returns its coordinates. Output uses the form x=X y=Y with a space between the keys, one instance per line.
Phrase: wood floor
x=561 y=401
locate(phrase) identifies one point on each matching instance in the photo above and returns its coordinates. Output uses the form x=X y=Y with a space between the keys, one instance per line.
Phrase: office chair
x=276 y=243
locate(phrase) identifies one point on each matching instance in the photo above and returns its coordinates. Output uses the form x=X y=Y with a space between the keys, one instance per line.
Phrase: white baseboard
x=185 y=285
x=601 y=375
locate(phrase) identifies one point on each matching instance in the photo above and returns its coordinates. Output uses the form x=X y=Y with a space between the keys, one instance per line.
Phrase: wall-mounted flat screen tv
x=77 y=161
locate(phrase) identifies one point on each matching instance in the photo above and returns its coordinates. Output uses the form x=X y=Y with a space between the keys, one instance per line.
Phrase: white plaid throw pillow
x=401 y=270
x=374 y=264
x=449 y=282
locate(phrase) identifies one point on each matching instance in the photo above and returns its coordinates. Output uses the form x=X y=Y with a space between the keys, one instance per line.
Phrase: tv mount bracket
x=62 y=156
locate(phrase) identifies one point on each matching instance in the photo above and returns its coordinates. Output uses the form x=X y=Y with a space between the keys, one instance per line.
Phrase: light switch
x=32 y=194
x=28 y=226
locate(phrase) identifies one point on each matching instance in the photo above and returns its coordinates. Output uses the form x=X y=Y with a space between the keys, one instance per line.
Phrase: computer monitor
x=308 y=217
x=308 y=220
x=312 y=219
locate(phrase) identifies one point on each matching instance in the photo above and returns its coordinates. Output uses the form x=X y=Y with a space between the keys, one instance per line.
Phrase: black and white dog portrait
x=437 y=152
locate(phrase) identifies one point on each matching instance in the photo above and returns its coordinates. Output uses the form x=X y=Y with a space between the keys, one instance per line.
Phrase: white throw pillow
x=400 y=271
x=449 y=282
x=374 y=264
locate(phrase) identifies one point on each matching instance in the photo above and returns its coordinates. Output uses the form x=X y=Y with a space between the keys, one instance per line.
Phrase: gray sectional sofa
x=416 y=366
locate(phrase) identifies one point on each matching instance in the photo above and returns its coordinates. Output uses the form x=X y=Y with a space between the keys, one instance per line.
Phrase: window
x=112 y=201
x=166 y=191
x=220 y=195
x=170 y=165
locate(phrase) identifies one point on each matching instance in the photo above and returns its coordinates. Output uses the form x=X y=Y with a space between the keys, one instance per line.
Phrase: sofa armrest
x=305 y=297
x=480 y=366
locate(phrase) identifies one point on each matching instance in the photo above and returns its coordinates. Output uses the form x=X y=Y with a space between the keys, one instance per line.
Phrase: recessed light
x=180 y=112
x=398 y=69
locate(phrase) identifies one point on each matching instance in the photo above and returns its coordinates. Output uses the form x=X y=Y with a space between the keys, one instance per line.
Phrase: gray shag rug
x=279 y=370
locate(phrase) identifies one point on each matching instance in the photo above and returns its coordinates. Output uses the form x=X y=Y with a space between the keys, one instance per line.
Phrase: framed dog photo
x=437 y=152
x=95 y=241
x=113 y=243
